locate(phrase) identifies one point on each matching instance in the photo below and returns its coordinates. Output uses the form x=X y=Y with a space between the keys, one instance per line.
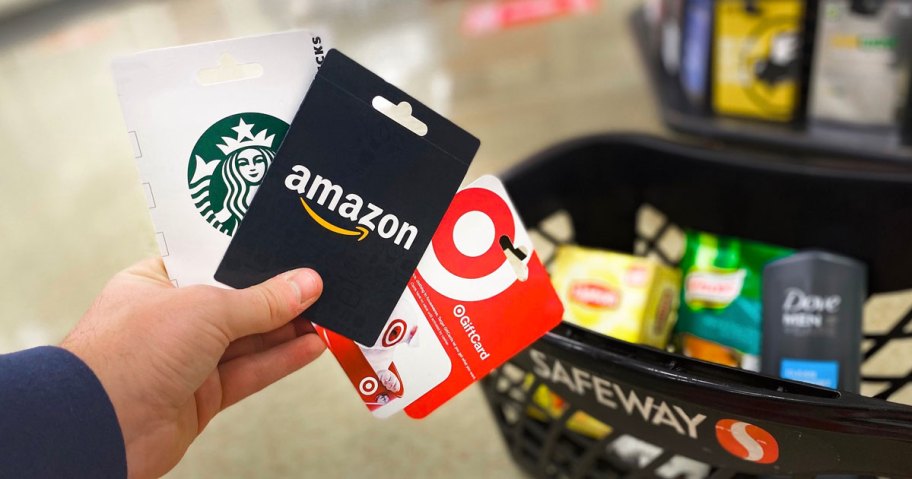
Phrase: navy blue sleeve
x=56 y=419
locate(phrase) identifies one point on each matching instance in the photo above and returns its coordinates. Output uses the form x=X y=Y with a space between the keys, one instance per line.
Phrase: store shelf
x=678 y=114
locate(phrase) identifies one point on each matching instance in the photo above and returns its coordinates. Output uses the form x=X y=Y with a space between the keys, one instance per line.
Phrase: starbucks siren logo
x=228 y=164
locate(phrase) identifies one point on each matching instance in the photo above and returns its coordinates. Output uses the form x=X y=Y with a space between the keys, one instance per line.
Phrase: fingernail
x=305 y=283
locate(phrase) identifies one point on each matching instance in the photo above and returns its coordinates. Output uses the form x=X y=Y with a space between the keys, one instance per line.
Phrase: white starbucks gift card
x=205 y=122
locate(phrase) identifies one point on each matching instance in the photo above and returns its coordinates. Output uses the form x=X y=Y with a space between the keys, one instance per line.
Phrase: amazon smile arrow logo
x=365 y=215
x=359 y=230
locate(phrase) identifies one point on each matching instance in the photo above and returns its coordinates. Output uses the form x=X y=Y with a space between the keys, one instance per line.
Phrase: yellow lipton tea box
x=618 y=295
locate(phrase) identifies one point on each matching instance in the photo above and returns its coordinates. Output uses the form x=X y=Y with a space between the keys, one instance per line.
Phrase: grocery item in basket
x=637 y=454
x=697 y=347
x=720 y=315
x=861 y=61
x=812 y=311
x=618 y=295
x=360 y=184
x=551 y=406
x=757 y=58
x=205 y=122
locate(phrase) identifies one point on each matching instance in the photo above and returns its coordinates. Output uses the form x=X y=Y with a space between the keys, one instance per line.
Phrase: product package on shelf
x=695 y=51
x=757 y=58
x=861 y=62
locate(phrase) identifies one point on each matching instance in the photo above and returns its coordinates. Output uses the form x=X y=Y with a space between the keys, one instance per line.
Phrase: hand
x=172 y=358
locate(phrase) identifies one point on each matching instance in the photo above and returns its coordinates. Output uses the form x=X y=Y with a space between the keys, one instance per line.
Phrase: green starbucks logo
x=229 y=163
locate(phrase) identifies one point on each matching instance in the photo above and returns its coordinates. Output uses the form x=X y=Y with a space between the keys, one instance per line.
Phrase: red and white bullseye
x=368 y=386
x=466 y=261
x=478 y=253
x=394 y=333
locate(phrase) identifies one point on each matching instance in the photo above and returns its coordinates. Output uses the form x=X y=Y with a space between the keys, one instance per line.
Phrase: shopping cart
x=622 y=410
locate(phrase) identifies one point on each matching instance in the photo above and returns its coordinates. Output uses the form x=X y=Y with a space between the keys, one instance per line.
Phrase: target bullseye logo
x=486 y=258
x=368 y=386
x=465 y=260
x=393 y=334
x=747 y=441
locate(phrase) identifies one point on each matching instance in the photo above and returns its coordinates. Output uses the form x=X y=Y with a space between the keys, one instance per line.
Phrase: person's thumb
x=268 y=305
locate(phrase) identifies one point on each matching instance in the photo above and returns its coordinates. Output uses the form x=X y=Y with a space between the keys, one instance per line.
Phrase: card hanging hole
x=401 y=114
x=516 y=257
x=228 y=70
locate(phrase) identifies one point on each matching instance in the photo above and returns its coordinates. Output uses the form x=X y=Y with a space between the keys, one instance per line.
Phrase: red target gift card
x=479 y=296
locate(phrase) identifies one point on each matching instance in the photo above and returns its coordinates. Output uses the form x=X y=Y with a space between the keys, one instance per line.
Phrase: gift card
x=205 y=122
x=479 y=296
x=356 y=191
x=406 y=361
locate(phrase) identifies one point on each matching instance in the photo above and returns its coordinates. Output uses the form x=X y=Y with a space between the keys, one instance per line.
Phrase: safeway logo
x=747 y=441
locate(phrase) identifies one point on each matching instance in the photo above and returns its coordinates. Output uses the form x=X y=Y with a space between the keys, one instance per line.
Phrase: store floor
x=72 y=212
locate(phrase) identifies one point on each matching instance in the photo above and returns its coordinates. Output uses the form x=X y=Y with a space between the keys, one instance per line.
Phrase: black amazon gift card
x=355 y=192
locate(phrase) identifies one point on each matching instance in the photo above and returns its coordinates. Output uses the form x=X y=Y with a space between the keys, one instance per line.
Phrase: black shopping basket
x=623 y=410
